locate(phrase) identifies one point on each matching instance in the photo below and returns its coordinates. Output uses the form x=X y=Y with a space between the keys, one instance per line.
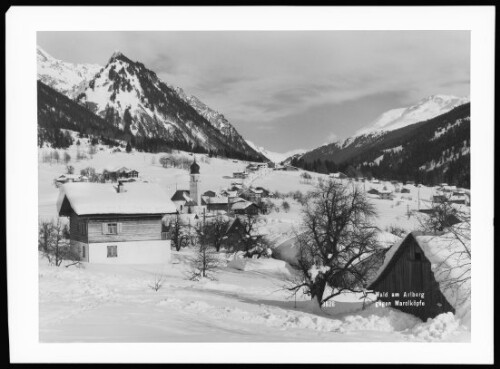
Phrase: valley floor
x=104 y=303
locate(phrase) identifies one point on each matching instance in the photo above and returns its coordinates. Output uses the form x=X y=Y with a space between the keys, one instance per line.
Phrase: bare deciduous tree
x=206 y=260
x=177 y=233
x=53 y=242
x=337 y=236
x=218 y=230
x=451 y=226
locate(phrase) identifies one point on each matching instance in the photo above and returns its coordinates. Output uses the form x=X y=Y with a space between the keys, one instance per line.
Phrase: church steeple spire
x=195 y=168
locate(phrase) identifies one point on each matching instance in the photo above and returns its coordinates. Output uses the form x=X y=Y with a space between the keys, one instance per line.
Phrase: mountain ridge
x=134 y=99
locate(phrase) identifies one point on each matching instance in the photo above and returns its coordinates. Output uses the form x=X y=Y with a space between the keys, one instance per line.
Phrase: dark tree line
x=57 y=112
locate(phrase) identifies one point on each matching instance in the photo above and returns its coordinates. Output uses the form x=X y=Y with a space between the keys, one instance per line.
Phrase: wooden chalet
x=216 y=203
x=116 y=224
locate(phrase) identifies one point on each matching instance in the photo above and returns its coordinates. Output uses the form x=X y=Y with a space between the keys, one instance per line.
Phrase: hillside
x=425 y=109
x=433 y=151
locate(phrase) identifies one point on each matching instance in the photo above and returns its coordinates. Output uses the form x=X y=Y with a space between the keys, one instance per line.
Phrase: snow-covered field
x=98 y=303
x=103 y=303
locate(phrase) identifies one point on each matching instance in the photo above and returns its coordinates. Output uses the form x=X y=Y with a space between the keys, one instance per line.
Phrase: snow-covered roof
x=69 y=176
x=447 y=254
x=98 y=198
x=215 y=200
x=242 y=205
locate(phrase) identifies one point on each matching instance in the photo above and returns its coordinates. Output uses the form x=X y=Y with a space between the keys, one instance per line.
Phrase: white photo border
x=22 y=25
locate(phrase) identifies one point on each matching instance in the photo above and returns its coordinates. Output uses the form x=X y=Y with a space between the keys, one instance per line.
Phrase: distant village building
x=209 y=193
x=241 y=175
x=116 y=224
x=338 y=175
x=65 y=178
x=245 y=207
x=405 y=190
x=120 y=173
x=415 y=269
x=216 y=203
x=183 y=201
x=385 y=194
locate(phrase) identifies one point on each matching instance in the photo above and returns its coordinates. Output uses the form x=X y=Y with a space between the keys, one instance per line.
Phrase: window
x=113 y=228
x=82 y=228
x=83 y=251
x=418 y=256
x=112 y=251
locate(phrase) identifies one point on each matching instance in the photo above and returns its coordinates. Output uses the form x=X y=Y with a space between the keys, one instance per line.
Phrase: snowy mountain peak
x=423 y=110
x=117 y=54
x=275 y=157
x=43 y=56
x=67 y=78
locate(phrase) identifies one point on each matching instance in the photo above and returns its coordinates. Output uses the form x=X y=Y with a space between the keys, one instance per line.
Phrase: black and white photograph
x=253 y=185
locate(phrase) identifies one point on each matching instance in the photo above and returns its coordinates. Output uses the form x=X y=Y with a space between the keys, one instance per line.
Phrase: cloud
x=275 y=79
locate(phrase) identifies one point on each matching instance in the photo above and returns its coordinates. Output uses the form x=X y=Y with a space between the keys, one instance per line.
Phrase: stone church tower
x=194 y=183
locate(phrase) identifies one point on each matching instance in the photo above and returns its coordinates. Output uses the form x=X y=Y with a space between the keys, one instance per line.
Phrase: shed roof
x=445 y=252
x=97 y=198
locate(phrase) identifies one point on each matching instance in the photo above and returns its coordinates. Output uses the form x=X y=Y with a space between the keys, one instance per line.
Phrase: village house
x=241 y=175
x=385 y=194
x=422 y=268
x=120 y=173
x=244 y=208
x=458 y=197
x=338 y=175
x=65 y=178
x=405 y=190
x=209 y=193
x=290 y=168
x=116 y=224
x=264 y=193
x=183 y=201
x=215 y=203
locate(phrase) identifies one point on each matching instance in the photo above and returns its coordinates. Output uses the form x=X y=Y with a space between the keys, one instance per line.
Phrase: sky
x=287 y=90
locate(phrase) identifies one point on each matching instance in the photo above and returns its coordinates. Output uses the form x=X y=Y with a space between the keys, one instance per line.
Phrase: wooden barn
x=414 y=278
x=116 y=224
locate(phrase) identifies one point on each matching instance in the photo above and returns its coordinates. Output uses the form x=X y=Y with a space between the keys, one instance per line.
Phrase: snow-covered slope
x=275 y=156
x=216 y=119
x=134 y=99
x=425 y=109
x=68 y=78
